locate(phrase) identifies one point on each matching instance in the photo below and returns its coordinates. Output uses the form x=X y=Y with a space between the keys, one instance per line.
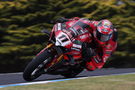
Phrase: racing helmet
x=104 y=30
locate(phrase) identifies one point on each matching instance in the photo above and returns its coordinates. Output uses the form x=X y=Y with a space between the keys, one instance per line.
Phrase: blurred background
x=21 y=22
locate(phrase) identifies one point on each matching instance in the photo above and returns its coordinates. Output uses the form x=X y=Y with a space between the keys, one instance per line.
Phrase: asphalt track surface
x=14 y=78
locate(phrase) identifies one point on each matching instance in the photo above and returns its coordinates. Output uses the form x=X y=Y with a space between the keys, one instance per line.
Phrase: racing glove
x=87 y=53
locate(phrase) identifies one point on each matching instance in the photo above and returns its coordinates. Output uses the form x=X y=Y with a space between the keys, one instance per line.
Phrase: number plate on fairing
x=62 y=39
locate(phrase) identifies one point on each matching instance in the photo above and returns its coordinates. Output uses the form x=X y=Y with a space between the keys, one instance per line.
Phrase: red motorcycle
x=56 y=58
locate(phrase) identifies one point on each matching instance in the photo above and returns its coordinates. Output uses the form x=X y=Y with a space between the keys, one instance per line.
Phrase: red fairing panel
x=62 y=39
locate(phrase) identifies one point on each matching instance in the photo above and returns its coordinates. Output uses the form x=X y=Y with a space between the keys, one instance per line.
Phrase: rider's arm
x=101 y=56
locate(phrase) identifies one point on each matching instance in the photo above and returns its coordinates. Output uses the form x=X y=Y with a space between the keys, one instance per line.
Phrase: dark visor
x=103 y=37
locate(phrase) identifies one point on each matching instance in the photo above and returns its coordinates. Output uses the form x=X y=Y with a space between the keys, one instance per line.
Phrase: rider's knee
x=90 y=66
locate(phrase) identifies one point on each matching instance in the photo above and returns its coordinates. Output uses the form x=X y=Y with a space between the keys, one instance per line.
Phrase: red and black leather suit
x=81 y=31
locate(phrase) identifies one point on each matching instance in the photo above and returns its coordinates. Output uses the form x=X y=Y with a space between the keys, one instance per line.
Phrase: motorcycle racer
x=97 y=40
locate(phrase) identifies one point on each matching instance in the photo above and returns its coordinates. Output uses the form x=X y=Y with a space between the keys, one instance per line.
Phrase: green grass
x=118 y=82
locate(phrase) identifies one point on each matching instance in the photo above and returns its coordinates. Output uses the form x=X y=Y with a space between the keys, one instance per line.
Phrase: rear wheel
x=36 y=67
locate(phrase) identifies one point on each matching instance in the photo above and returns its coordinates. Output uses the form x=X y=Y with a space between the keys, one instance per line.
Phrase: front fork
x=47 y=47
x=57 y=57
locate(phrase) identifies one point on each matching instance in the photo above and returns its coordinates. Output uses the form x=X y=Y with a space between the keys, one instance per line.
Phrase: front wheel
x=36 y=67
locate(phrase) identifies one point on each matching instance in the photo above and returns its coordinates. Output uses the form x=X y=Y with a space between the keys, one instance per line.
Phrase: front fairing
x=59 y=37
x=62 y=39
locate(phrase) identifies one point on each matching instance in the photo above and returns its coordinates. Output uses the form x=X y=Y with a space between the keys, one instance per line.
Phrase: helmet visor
x=103 y=37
